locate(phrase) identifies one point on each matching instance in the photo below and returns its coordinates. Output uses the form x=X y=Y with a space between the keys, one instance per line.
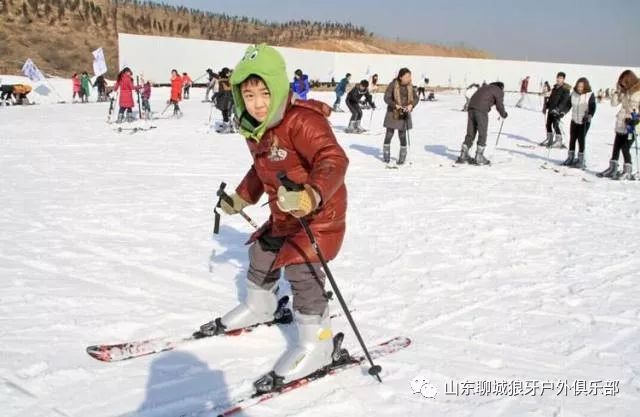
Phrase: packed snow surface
x=503 y=274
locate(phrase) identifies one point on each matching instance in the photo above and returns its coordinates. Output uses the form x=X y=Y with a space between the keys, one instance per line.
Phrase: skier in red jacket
x=187 y=82
x=76 y=86
x=126 y=87
x=176 y=92
x=294 y=137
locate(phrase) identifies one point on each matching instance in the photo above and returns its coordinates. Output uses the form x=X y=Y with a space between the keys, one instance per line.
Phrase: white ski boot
x=314 y=350
x=260 y=306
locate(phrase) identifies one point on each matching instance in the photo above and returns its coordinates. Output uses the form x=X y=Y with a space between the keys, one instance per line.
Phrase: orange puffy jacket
x=176 y=89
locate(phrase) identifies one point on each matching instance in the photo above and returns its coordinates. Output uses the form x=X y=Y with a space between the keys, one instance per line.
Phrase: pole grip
x=287 y=183
x=216 y=218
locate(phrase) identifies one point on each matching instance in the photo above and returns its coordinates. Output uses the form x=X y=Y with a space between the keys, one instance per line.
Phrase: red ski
x=242 y=403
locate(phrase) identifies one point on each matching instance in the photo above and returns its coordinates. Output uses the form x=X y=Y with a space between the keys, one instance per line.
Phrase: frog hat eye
x=251 y=54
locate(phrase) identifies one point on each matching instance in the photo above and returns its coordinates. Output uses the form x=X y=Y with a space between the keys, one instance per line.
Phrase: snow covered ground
x=502 y=273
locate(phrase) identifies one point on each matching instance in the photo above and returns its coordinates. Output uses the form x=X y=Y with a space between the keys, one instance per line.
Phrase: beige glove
x=238 y=204
x=298 y=203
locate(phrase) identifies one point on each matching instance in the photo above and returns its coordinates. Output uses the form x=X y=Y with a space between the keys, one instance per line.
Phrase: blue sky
x=576 y=31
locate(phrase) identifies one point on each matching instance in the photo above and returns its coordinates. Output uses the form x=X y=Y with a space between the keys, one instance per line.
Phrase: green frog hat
x=267 y=63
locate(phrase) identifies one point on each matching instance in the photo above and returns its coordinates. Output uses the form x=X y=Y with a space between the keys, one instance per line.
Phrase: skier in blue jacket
x=300 y=85
x=341 y=89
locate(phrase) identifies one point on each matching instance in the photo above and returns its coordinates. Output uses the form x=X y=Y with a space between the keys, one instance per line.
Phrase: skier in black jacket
x=353 y=102
x=557 y=106
x=480 y=105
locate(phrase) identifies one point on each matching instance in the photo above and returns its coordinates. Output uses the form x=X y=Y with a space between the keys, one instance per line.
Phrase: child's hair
x=252 y=79
x=176 y=71
x=561 y=74
x=364 y=83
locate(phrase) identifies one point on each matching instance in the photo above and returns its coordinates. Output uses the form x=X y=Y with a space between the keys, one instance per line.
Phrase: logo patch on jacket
x=277 y=154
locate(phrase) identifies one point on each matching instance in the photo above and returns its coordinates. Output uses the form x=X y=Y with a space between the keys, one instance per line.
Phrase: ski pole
x=292 y=186
x=637 y=162
x=499 y=133
x=138 y=94
x=406 y=125
x=165 y=109
x=198 y=79
x=222 y=195
x=371 y=118
x=210 y=114
x=112 y=106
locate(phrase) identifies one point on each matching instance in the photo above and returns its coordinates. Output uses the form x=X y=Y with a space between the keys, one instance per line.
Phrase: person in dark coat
x=478 y=120
x=101 y=84
x=224 y=100
x=558 y=105
x=401 y=99
x=211 y=85
x=353 y=102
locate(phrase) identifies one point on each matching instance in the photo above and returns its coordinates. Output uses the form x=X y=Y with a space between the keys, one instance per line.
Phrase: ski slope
x=501 y=273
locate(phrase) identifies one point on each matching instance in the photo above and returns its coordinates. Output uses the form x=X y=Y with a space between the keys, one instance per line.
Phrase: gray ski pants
x=477 y=122
x=307 y=280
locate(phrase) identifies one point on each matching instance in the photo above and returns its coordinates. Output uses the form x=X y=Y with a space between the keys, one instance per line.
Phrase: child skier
x=146 y=95
x=293 y=137
x=76 y=87
x=353 y=103
x=176 y=93
x=187 y=82
x=85 y=87
x=124 y=83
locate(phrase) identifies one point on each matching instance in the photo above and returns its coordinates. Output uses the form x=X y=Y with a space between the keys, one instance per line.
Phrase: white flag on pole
x=99 y=63
x=30 y=70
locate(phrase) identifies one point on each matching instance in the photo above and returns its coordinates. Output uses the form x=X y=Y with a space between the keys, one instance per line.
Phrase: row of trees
x=58 y=33
x=145 y=17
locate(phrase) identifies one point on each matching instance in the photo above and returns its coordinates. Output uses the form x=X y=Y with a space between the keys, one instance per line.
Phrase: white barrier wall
x=156 y=56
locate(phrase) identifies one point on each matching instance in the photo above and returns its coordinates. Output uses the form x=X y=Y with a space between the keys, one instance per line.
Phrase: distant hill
x=60 y=34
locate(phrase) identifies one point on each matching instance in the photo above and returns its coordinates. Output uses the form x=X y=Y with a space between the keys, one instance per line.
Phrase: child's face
x=256 y=97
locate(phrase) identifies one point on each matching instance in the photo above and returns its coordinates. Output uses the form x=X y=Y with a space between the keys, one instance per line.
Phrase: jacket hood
x=267 y=63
